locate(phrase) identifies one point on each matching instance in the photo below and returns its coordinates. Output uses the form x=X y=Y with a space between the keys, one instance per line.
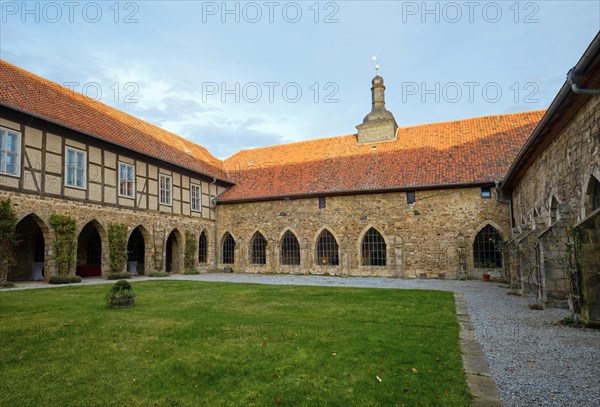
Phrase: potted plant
x=121 y=295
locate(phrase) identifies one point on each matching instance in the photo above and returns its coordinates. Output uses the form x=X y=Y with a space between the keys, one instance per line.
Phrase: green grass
x=209 y=344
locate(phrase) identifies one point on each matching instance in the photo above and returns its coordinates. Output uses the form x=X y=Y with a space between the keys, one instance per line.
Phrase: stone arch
x=487 y=247
x=92 y=250
x=359 y=245
x=553 y=203
x=289 y=248
x=496 y=226
x=227 y=249
x=257 y=249
x=325 y=251
x=203 y=246
x=174 y=252
x=31 y=259
x=138 y=251
x=591 y=193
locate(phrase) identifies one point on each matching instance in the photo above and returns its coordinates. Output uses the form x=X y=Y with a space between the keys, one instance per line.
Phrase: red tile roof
x=470 y=151
x=24 y=91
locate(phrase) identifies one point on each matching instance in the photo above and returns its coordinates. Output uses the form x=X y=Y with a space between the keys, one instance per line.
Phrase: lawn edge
x=477 y=374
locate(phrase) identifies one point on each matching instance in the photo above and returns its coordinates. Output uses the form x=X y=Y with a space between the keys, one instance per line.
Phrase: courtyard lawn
x=209 y=344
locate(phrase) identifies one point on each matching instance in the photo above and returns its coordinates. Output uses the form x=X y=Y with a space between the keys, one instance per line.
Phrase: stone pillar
x=239 y=256
x=345 y=256
x=305 y=258
x=398 y=260
x=461 y=247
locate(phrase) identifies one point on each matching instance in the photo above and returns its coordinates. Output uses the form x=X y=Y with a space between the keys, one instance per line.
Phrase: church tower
x=379 y=124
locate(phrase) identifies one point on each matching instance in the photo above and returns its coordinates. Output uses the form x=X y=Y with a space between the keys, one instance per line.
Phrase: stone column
x=398 y=261
x=461 y=246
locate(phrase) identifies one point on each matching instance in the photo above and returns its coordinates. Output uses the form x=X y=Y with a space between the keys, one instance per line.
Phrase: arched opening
x=373 y=249
x=228 y=249
x=487 y=248
x=30 y=253
x=327 y=250
x=89 y=251
x=136 y=250
x=592 y=195
x=553 y=211
x=290 y=250
x=173 y=252
x=258 y=249
x=203 y=248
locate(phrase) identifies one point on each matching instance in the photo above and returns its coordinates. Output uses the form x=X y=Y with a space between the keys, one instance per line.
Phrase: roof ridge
x=320 y=139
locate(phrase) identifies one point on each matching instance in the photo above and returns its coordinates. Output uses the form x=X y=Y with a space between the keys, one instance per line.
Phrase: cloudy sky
x=234 y=75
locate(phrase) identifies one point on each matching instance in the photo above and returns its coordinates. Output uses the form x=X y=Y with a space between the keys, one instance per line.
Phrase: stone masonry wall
x=562 y=172
x=421 y=238
x=155 y=228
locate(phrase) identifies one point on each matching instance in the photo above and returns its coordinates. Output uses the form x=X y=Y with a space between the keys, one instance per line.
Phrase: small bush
x=118 y=276
x=190 y=272
x=159 y=274
x=536 y=306
x=570 y=321
x=64 y=279
x=121 y=294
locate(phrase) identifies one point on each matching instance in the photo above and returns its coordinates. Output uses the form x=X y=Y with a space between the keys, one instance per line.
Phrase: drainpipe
x=572 y=77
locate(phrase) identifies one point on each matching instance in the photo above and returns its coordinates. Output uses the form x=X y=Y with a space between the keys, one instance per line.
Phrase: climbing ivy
x=8 y=239
x=64 y=242
x=190 y=250
x=117 y=247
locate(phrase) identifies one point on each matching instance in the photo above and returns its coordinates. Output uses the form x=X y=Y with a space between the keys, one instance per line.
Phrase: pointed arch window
x=258 y=249
x=202 y=248
x=373 y=249
x=487 y=248
x=553 y=211
x=595 y=198
x=327 y=250
x=290 y=250
x=228 y=249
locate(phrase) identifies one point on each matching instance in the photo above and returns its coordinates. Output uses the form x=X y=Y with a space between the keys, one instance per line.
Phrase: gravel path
x=533 y=361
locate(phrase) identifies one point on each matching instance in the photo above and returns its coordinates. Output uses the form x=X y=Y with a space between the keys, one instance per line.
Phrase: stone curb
x=477 y=373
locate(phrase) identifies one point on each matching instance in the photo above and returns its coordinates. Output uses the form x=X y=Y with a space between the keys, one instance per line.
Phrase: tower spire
x=379 y=124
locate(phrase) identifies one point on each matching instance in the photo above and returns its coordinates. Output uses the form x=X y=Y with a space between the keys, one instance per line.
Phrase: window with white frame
x=75 y=164
x=195 y=197
x=126 y=180
x=166 y=189
x=10 y=152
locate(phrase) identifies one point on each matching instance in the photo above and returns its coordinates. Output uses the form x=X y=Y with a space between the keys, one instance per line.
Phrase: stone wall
x=422 y=238
x=548 y=201
x=154 y=226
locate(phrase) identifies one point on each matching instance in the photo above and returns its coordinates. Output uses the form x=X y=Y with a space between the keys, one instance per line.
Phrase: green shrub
x=120 y=286
x=118 y=276
x=8 y=240
x=190 y=272
x=64 y=243
x=159 y=274
x=121 y=294
x=65 y=279
x=190 y=250
x=117 y=247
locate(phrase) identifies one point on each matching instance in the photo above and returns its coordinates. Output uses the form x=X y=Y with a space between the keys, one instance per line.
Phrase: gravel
x=533 y=361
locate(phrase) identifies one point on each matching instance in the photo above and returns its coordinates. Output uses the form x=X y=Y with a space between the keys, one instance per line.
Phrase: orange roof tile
x=24 y=91
x=470 y=151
